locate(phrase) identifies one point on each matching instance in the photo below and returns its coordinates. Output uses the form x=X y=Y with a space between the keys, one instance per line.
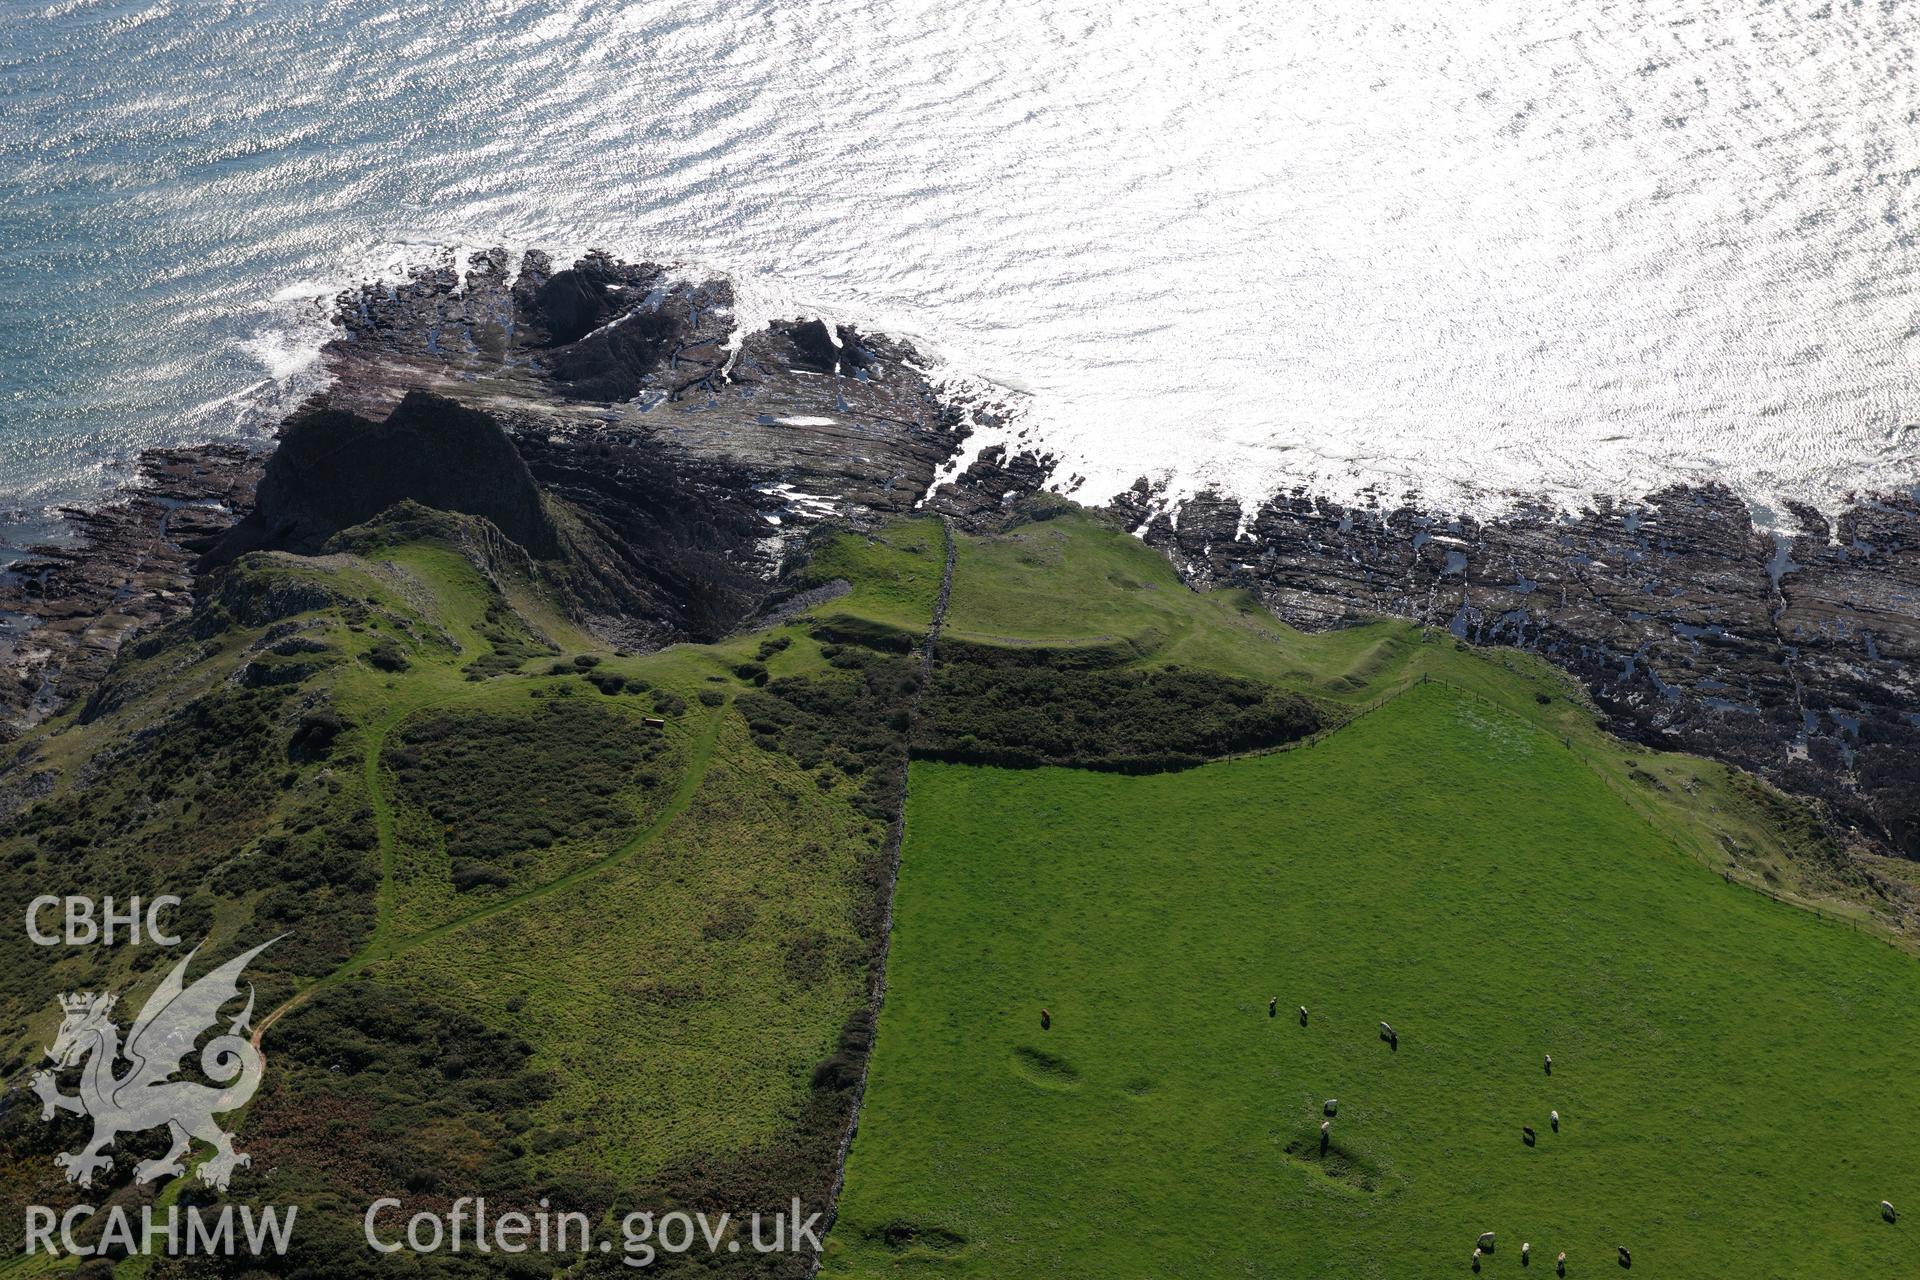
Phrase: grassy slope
x=892 y=578
x=1075 y=581
x=661 y=991
x=677 y=977
x=1735 y=1075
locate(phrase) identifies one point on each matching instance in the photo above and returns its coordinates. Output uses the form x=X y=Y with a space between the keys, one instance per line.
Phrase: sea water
x=1474 y=250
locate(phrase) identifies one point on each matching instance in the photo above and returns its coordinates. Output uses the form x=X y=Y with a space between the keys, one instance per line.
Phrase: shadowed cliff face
x=333 y=470
x=680 y=458
x=1794 y=657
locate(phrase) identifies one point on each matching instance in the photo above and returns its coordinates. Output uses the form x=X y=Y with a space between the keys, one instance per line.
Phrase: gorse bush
x=499 y=786
x=387 y=655
x=848 y=724
x=1126 y=720
x=511 y=642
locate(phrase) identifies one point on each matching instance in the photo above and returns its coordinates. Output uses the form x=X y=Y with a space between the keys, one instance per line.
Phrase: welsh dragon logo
x=145 y=1096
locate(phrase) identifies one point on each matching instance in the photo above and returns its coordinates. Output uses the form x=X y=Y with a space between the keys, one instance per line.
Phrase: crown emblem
x=145 y=1095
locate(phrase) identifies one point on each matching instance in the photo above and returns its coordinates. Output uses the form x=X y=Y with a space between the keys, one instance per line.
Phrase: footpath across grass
x=1736 y=1079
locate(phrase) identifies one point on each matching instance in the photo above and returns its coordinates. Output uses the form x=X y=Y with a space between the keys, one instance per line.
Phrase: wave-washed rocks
x=66 y=609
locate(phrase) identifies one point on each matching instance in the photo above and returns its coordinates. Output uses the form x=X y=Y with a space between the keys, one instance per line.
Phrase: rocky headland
x=605 y=415
x=660 y=465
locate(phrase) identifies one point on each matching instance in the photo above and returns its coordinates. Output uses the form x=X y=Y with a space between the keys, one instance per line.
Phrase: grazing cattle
x=1326 y=1135
x=1555 y=1117
x=1526 y=1134
x=1549 y=1064
x=1303 y=1015
x=1886 y=1211
x=1526 y=1253
x=1486 y=1241
x=1626 y=1259
x=1476 y=1260
x=1331 y=1106
x=1560 y=1264
x=1046 y=1020
x=1391 y=1036
x=1273 y=1006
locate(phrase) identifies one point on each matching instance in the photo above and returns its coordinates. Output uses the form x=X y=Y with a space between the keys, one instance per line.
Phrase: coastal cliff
x=666 y=467
x=1791 y=656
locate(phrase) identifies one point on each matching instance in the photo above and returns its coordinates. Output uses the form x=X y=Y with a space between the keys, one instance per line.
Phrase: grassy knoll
x=1076 y=588
x=1079 y=583
x=892 y=576
x=1735 y=1077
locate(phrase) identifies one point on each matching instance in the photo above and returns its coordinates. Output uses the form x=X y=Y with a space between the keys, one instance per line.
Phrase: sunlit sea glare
x=1477 y=249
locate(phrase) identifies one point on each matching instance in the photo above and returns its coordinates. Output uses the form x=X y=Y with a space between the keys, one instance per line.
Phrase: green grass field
x=1736 y=1078
x=1076 y=582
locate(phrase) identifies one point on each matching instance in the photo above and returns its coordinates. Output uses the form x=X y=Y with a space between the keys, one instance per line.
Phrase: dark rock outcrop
x=672 y=547
x=837 y=350
x=993 y=489
x=605 y=349
x=335 y=469
x=690 y=456
x=596 y=336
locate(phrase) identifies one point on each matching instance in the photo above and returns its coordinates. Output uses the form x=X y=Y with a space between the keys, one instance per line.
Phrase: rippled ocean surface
x=1477 y=249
